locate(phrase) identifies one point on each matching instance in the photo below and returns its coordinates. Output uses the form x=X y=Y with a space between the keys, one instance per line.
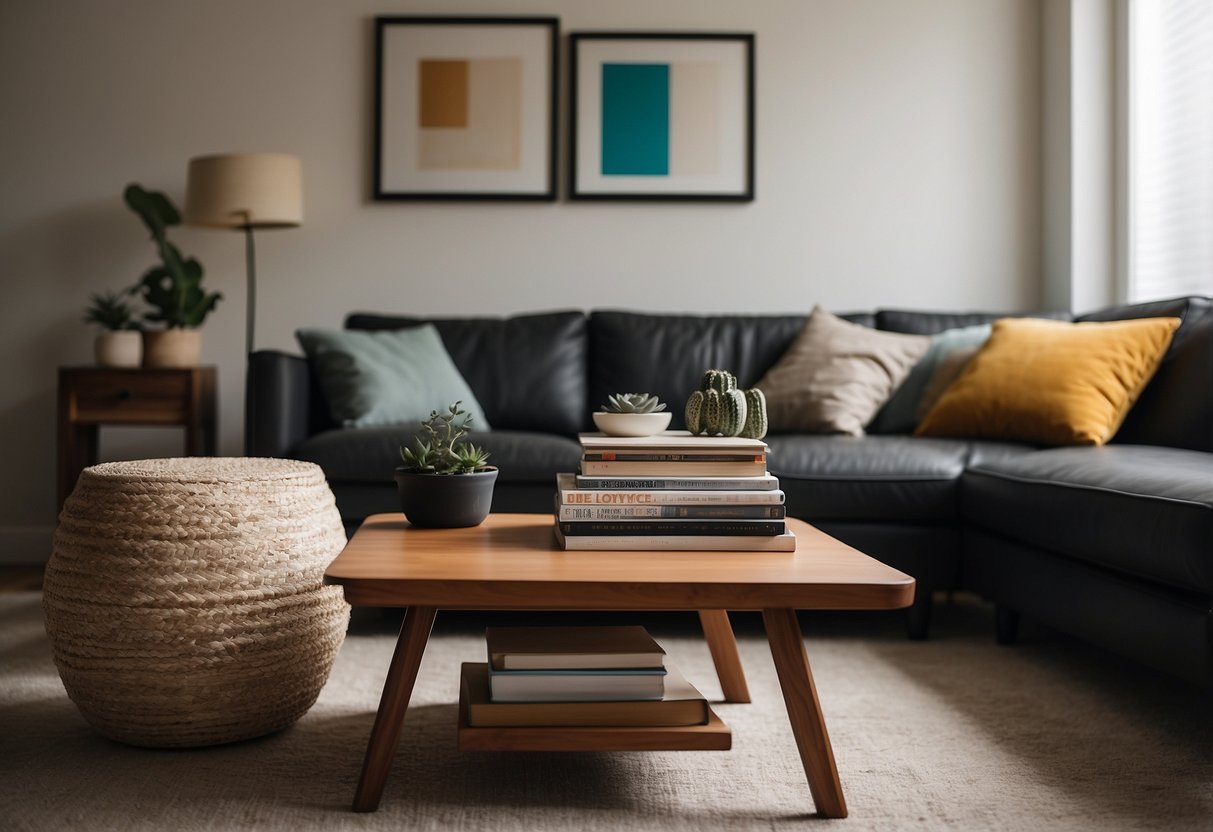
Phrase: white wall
x=898 y=157
x=1079 y=154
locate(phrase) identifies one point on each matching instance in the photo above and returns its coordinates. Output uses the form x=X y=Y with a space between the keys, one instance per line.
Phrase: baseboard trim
x=25 y=545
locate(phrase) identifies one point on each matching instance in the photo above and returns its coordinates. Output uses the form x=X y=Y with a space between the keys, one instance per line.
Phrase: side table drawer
x=131 y=396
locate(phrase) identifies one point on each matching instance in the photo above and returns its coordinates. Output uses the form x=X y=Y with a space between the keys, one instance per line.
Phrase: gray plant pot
x=445 y=501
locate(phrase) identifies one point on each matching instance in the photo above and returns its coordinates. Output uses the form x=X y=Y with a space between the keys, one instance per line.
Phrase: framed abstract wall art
x=661 y=116
x=465 y=108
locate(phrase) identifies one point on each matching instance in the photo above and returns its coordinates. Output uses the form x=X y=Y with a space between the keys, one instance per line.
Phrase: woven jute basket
x=184 y=597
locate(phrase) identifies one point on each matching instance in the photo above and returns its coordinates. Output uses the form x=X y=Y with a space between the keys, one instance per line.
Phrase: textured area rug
x=954 y=733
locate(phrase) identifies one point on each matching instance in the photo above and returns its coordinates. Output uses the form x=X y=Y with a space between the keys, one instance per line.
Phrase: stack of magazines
x=578 y=676
x=671 y=491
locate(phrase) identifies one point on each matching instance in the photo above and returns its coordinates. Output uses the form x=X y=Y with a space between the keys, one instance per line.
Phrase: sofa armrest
x=280 y=404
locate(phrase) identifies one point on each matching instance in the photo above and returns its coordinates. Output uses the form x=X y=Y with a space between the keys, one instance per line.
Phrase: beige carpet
x=952 y=733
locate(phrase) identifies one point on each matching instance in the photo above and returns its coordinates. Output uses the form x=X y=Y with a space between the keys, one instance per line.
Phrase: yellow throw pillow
x=1052 y=382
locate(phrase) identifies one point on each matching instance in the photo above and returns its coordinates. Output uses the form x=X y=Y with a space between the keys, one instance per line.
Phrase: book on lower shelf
x=679 y=704
x=582 y=685
x=569 y=648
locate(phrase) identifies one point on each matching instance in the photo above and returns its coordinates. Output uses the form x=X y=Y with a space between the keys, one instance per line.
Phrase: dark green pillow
x=387 y=377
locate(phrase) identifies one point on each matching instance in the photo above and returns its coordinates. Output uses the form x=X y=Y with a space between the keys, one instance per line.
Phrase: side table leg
x=723 y=644
x=804 y=711
x=397 y=690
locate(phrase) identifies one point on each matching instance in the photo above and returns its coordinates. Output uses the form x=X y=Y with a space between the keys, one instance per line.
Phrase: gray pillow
x=950 y=350
x=836 y=375
x=387 y=377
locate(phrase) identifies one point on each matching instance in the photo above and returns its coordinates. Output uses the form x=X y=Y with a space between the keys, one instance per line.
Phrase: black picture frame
x=587 y=175
x=401 y=170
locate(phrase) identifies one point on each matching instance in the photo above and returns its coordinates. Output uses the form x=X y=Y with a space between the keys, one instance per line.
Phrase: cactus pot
x=631 y=424
x=445 y=501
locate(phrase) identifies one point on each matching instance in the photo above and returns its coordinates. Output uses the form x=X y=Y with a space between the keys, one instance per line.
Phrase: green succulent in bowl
x=632 y=414
x=633 y=403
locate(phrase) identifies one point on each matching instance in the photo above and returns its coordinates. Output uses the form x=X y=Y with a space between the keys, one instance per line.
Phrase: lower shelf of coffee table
x=714 y=736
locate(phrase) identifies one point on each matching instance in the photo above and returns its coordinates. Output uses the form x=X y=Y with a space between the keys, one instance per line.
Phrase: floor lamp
x=245 y=191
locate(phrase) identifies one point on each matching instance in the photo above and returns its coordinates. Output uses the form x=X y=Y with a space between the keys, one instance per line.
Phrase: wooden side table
x=93 y=396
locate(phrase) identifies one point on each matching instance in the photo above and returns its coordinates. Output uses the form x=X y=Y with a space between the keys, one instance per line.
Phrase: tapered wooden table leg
x=723 y=644
x=804 y=711
x=397 y=690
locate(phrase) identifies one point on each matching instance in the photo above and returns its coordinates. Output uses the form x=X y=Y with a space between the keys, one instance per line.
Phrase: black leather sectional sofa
x=1114 y=544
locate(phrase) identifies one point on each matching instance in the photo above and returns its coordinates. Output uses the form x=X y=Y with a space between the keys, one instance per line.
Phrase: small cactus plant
x=755 y=414
x=718 y=408
x=633 y=403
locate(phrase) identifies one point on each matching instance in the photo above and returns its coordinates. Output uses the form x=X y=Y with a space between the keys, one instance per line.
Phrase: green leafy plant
x=110 y=312
x=633 y=403
x=441 y=449
x=174 y=288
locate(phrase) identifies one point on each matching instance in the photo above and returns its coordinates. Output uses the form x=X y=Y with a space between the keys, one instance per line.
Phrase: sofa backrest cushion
x=527 y=371
x=633 y=352
x=933 y=323
x=1176 y=408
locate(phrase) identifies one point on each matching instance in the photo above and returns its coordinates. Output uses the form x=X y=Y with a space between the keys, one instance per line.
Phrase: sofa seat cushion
x=370 y=455
x=1138 y=509
x=876 y=478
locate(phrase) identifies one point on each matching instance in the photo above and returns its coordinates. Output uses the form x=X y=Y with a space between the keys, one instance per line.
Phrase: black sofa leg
x=1006 y=625
x=918 y=616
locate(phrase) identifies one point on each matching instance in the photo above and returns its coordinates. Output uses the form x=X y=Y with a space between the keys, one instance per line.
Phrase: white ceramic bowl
x=632 y=424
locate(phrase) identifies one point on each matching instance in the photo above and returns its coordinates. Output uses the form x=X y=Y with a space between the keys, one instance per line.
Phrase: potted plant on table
x=120 y=344
x=445 y=482
x=173 y=289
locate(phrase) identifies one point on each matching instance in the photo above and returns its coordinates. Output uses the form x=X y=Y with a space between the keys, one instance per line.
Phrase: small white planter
x=631 y=424
x=123 y=348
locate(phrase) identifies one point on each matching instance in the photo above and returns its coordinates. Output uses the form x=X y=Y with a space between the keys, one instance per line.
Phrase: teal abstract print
x=665 y=116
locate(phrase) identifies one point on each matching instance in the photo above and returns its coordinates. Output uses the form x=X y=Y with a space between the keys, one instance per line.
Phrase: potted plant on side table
x=120 y=344
x=173 y=289
x=445 y=482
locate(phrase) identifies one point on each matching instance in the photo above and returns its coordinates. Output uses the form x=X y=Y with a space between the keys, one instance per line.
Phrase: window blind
x=1170 y=148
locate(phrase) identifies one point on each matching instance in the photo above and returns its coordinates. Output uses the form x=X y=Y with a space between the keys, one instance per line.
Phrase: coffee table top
x=512 y=561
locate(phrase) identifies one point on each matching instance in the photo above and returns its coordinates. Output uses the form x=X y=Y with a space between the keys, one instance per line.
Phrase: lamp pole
x=250 y=269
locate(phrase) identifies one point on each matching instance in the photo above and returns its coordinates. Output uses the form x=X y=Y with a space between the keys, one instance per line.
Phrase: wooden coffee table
x=512 y=562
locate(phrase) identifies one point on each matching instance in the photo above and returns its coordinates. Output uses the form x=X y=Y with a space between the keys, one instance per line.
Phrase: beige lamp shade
x=237 y=190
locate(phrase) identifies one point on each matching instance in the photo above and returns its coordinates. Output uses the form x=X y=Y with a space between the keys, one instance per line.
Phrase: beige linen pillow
x=837 y=375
